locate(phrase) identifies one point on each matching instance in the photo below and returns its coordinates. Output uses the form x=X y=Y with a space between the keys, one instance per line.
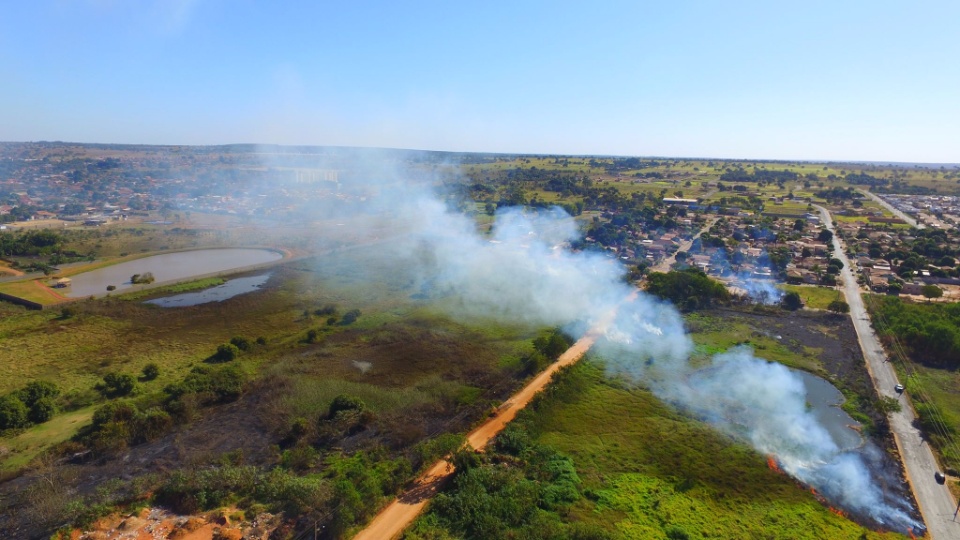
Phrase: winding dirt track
x=395 y=517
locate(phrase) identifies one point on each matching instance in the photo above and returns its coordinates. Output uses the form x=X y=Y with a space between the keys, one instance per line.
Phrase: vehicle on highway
x=939 y=477
x=898 y=388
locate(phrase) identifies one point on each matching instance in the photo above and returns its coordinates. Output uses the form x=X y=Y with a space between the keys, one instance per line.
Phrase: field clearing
x=814 y=296
x=28 y=444
x=34 y=291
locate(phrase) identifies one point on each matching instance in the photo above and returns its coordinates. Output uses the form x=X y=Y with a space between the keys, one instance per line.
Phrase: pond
x=168 y=267
x=233 y=287
x=825 y=400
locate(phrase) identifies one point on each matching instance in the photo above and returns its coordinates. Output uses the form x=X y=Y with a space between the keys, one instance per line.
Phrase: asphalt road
x=936 y=503
x=888 y=206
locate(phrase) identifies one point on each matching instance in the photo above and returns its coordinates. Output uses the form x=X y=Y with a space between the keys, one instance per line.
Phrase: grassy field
x=649 y=473
x=814 y=296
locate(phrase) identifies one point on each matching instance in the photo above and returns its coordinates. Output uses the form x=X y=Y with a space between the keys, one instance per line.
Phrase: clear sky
x=823 y=80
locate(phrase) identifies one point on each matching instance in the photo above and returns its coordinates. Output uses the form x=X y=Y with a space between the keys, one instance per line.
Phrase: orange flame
x=838 y=512
x=772 y=463
x=910 y=532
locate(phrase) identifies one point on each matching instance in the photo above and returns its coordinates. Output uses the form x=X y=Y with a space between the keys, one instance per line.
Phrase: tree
x=839 y=306
x=799 y=225
x=825 y=236
x=931 y=291
x=792 y=301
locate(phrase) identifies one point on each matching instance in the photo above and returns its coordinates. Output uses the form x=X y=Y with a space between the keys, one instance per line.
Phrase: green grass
x=712 y=335
x=175 y=289
x=648 y=469
x=814 y=296
x=29 y=290
x=25 y=446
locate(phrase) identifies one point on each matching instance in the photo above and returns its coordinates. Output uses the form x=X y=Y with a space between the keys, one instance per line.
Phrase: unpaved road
x=936 y=503
x=398 y=515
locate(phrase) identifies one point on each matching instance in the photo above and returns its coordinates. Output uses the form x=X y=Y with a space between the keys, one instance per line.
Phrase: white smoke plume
x=524 y=272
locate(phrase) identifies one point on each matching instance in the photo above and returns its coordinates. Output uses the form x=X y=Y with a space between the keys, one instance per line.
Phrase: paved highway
x=888 y=206
x=936 y=503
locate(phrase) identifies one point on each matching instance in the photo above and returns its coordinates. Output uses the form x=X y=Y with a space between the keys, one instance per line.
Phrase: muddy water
x=233 y=287
x=168 y=267
x=824 y=400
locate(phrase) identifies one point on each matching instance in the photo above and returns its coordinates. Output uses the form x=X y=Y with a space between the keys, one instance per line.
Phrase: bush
x=226 y=352
x=42 y=410
x=791 y=301
x=37 y=390
x=13 y=413
x=117 y=385
x=241 y=343
x=344 y=403
x=151 y=371
x=328 y=309
x=350 y=317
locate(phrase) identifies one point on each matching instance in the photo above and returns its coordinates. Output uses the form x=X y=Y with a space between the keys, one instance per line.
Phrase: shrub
x=151 y=371
x=241 y=343
x=37 y=390
x=226 y=352
x=13 y=412
x=350 y=317
x=344 y=403
x=42 y=410
x=791 y=301
x=117 y=385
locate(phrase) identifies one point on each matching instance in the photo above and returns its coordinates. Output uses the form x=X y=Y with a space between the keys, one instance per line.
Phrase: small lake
x=825 y=401
x=168 y=267
x=233 y=287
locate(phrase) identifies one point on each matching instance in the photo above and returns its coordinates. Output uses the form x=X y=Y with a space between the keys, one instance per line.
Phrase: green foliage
x=326 y=310
x=344 y=403
x=41 y=410
x=212 y=384
x=689 y=289
x=931 y=291
x=791 y=301
x=241 y=343
x=931 y=332
x=226 y=352
x=350 y=317
x=142 y=279
x=13 y=412
x=151 y=371
x=518 y=492
x=888 y=405
x=839 y=306
x=116 y=384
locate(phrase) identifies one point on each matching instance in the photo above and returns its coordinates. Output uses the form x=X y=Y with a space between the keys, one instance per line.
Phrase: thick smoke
x=524 y=272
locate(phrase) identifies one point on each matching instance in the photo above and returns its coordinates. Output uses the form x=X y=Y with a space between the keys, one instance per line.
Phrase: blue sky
x=850 y=80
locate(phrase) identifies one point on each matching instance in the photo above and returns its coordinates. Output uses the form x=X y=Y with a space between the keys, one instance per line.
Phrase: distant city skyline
x=815 y=81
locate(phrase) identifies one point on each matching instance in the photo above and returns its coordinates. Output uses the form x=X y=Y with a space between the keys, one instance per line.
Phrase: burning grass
x=649 y=472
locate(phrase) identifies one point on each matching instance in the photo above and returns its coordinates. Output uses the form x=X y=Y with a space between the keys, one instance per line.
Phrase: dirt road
x=399 y=514
x=936 y=503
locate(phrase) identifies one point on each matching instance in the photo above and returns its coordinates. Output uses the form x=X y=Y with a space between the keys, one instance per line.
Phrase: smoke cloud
x=524 y=271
